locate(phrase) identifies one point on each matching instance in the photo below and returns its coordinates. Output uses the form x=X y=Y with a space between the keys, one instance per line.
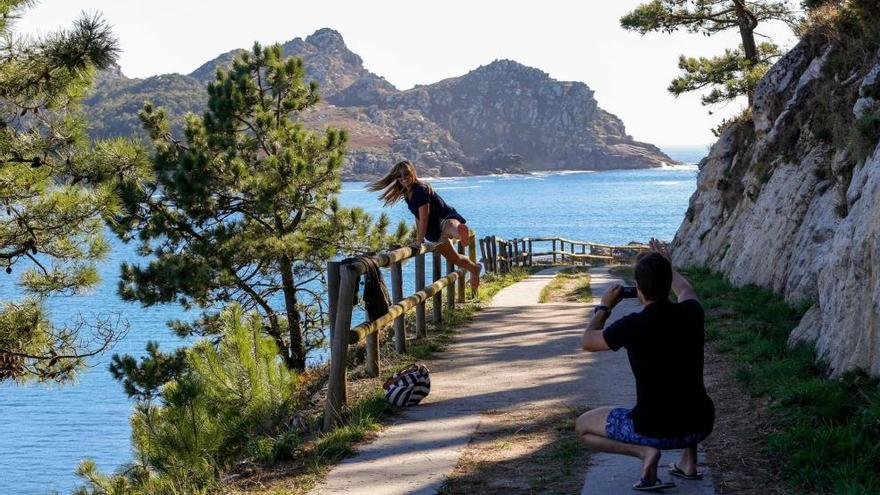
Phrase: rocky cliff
x=502 y=117
x=788 y=198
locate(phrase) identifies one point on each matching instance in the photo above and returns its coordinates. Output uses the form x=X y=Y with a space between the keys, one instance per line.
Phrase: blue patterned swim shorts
x=620 y=427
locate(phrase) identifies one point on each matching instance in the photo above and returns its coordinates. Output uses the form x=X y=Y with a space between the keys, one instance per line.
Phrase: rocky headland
x=788 y=198
x=499 y=118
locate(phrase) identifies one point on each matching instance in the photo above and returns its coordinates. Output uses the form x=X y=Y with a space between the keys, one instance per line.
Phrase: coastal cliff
x=788 y=198
x=501 y=117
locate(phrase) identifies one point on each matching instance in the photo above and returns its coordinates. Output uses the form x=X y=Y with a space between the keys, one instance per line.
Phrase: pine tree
x=733 y=74
x=244 y=207
x=54 y=188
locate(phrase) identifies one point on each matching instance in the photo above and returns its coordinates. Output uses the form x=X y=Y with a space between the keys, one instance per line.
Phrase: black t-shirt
x=437 y=211
x=664 y=343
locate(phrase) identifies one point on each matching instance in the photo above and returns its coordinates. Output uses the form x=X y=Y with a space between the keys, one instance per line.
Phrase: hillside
x=501 y=117
x=788 y=197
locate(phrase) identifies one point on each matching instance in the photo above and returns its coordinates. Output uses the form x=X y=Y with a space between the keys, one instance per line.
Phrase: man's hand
x=659 y=247
x=612 y=296
x=416 y=245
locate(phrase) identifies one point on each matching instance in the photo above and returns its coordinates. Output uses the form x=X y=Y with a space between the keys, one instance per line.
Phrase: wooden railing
x=500 y=255
x=342 y=289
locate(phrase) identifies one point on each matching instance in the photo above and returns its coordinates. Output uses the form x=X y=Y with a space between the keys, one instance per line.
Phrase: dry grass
x=569 y=285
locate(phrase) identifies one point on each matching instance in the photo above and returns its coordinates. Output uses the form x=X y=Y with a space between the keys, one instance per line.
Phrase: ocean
x=46 y=431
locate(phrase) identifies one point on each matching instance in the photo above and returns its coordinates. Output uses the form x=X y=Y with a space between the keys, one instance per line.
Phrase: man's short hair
x=654 y=276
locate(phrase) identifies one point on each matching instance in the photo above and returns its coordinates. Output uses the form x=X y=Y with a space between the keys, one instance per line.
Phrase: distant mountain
x=501 y=117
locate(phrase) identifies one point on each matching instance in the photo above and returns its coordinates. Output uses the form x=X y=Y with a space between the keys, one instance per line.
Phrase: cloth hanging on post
x=376 y=298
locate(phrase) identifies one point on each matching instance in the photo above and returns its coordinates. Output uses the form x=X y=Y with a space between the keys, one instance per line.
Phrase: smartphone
x=628 y=291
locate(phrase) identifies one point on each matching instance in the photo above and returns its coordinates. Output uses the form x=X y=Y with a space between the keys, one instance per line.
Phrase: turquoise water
x=45 y=432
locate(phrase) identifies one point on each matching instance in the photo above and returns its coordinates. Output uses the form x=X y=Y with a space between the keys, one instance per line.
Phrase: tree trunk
x=275 y=333
x=747 y=25
x=294 y=324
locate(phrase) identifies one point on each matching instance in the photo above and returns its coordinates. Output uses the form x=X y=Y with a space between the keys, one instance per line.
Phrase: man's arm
x=593 y=338
x=683 y=289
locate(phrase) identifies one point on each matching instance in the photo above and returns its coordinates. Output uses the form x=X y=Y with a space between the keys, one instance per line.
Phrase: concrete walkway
x=515 y=353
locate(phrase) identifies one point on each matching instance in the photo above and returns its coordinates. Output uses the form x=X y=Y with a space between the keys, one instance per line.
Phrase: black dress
x=438 y=211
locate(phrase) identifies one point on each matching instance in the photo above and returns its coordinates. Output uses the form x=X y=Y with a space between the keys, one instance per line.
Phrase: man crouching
x=664 y=344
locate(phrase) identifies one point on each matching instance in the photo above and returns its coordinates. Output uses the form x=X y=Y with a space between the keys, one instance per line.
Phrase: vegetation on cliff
x=825 y=430
x=738 y=70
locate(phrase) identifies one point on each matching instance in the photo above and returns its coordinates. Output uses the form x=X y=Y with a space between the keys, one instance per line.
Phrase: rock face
x=786 y=200
x=502 y=117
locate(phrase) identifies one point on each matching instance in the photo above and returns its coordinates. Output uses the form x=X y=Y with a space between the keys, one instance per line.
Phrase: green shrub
x=233 y=398
x=825 y=431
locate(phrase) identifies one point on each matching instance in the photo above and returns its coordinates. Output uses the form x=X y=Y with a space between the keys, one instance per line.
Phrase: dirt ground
x=522 y=451
x=734 y=450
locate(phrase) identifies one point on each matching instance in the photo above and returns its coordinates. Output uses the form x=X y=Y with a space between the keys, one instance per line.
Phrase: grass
x=826 y=430
x=364 y=417
x=570 y=284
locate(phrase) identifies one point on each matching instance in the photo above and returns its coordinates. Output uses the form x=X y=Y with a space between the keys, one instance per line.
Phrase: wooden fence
x=342 y=290
x=497 y=255
x=500 y=255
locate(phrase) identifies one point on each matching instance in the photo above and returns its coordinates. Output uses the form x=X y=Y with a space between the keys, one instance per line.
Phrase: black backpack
x=376 y=299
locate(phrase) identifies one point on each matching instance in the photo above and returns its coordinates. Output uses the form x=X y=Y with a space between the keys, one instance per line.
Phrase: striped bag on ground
x=408 y=387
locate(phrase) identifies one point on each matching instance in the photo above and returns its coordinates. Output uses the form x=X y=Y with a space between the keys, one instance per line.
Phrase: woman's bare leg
x=450 y=254
x=456 y=230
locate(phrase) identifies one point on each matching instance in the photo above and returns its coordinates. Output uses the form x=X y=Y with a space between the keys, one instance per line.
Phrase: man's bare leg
x=590 y=428
x=688 y=461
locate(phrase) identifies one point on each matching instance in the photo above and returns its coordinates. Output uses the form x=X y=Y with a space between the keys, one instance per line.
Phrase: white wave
x=456 y=187
x=684 y=166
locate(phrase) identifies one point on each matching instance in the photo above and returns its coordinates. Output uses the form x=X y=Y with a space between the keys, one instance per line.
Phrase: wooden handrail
x=342 y=289
x=575 y=255
x=361 y=331
x=586 y=243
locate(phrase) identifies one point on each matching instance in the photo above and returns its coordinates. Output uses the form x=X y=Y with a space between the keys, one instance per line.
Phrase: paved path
x=515 y=353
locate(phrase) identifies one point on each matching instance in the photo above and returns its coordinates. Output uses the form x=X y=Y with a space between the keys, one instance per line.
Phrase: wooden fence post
x=437 y=301
x=510 y=253
x=371 y=345
x=332 y=294
x=554 y=251
x=494 y=247
x=421 y=329
x=396 y=296
x=461 y=281
x=530 y=253
x=516 y=259
x=450 y=289
x=484 y=259
x=336 y=386
x=472 y=255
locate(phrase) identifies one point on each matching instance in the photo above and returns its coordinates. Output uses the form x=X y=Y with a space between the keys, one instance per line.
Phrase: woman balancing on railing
x=436 y=221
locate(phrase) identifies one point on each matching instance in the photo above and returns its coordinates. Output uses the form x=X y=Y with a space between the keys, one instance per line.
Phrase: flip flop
x=676 y=471
x=646 y=486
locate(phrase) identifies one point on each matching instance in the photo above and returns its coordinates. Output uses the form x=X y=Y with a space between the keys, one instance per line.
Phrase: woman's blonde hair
x=393 y=190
